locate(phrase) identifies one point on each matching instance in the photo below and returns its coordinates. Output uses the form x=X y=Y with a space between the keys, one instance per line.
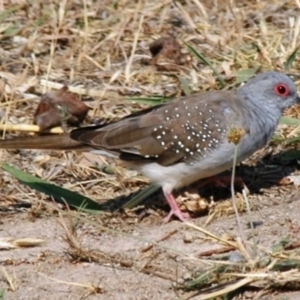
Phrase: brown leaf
x=167 y=54
x=292 y=179
x=74 y=105
x=47 y=115
x=59 y=107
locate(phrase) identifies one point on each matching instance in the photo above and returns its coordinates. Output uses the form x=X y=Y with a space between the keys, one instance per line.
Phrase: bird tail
x=44 y=142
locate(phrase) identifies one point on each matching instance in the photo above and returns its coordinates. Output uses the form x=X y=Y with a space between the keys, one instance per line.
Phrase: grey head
x=266 y=96
x=273 y=91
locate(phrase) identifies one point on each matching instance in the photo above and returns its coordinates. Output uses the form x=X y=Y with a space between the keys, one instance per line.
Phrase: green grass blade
x=293 y=140
x=141 y=196
x=8 y=12
x=278 y=140
x=290 y=155
x=155 y=100
x=289 y=121
x=286 y=264
x=207 y=62
x=185 y=85
x=60 y=194
x=291 y=59
x=245 y=74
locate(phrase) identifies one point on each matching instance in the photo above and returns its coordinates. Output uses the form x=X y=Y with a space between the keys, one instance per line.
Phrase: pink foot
x=175 y=210
x=183 y=217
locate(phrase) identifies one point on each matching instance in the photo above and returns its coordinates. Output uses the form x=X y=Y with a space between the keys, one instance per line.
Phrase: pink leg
x=175 y=210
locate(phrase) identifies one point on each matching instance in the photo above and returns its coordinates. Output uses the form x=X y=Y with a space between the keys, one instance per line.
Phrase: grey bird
x=187 y=139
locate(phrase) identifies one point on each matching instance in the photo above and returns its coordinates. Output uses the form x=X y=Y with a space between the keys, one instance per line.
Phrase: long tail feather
x=43 y=142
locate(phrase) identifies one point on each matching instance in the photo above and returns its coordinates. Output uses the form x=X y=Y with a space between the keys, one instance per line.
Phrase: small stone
x=188 y=238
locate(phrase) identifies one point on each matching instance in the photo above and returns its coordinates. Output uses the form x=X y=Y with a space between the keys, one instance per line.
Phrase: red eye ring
x=281 y=89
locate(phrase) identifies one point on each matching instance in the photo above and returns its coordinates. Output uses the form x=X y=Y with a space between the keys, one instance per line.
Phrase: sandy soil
x=125 y=257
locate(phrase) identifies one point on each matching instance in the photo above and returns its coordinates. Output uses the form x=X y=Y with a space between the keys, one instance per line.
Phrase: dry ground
x=100 y=49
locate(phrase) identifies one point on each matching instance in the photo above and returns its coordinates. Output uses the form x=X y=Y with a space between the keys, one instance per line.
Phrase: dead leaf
x=167 y=54
x=295 y=179
x=192 y=202
x=59 y=107
x=47 y=115
x=7 y=243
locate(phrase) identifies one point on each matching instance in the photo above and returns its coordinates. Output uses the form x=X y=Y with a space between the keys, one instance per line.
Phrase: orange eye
x=281 y=89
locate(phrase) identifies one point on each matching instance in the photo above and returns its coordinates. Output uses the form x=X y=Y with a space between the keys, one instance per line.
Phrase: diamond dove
x=180 y=142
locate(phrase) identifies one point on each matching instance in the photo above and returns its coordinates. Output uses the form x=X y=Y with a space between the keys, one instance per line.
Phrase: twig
x=29 y=128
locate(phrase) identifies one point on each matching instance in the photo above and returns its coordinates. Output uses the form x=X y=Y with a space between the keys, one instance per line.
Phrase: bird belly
x=185 y=173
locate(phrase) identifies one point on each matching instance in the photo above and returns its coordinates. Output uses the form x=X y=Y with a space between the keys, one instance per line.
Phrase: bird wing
x=168 y=133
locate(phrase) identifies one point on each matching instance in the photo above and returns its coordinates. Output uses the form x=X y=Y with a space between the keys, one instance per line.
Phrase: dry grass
x=100 y=50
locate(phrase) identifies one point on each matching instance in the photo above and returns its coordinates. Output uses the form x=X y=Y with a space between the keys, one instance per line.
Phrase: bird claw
x=175 y=210
x=183 y=217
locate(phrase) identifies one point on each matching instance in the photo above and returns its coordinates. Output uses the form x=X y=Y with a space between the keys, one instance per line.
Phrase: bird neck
x=263 y=116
